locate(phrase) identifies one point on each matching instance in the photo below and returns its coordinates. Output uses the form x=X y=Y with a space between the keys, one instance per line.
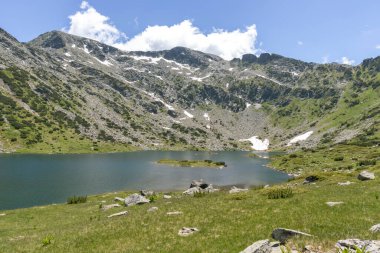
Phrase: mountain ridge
x=170 y=99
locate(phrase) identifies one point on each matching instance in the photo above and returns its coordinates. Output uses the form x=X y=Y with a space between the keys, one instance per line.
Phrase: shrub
x=76 y=199
x=152 y=198
x=292 y=155
x=280 y=193
x=47 y=240
x=339 y=158
x=366 y=162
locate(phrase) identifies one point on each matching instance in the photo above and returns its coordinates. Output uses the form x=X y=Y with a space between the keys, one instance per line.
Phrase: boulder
x=187 y=231
x=199 y=183
x=262 y=246
x=283 y=234
x=371 y=246
x=106 y=207
x=375 y=228
x=366 y=175
x=234 y=189
x=118 y=214
x=146 y=193
x=135 y=199
x=153 y=209
x=334 y=203
x=192 y=191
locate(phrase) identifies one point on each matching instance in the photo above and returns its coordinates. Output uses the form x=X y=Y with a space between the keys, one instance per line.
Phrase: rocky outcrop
x=262 y=246
x=370 y=246
x=198 y=186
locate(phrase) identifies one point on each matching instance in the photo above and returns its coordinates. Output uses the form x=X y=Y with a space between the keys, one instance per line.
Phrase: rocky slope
x=61 y=91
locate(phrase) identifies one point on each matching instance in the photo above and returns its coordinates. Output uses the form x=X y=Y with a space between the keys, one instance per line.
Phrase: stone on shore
x=135 y=199
x=234 y=189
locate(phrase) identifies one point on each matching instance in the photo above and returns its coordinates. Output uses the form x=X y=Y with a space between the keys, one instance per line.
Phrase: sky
x=345 y=31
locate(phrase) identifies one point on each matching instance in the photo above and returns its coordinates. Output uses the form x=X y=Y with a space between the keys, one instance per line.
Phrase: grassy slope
x=227 y=223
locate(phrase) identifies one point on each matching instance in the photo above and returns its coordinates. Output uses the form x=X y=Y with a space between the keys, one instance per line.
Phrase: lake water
x=29 y=180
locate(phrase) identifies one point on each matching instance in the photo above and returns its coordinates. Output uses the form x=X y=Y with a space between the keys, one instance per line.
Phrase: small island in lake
x=192 y=163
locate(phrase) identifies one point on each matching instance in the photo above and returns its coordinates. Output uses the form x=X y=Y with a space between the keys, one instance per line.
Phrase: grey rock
x=234 y=189
x=118 y=214
x=366 y=175
x=135 y=199
x=146 y=193
x=371 y=246
x=153 y=209
x=192 y=191
x=199 y=183
x=375 y=228
x=107 y=207
x=185 y=231
x=283 y=234
x=174 y=213
x=167 y=196
x=345 y=183
x=262 y=246
x=334 y=203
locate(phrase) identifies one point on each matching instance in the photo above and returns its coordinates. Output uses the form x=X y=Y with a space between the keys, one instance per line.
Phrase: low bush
x=339 y=158
x=367 y=162
x=76 y=199
x=280 y=193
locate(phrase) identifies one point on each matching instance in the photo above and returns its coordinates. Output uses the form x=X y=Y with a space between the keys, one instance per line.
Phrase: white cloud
x=226 y=44
x=325 y=59
x=91 y=24
x=300 y=43
x=377 y=46
x=347 y=61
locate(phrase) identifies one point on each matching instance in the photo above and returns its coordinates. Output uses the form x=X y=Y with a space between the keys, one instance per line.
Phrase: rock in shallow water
x=135 y=199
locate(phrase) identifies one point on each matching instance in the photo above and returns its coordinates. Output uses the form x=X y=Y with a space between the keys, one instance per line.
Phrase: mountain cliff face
x=63 y=93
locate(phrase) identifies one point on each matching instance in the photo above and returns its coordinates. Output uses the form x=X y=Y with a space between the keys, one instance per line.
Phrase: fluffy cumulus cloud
x=227 y=44
x=347 y=61
x=91 y=24
x=377 y=46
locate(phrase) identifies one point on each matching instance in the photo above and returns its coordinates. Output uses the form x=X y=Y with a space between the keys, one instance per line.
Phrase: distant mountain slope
x=63 y=93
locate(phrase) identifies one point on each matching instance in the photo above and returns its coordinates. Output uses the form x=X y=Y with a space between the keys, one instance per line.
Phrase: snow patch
x=257 y=144
x=68 y=54
x=73 y=46
x=85 y=49
x=206 y=116
x=230 y=69
x=227 y=84
x=301 y=137
x=208 y=126
x=247 y=105
x=107 y=63
x=188 y=114
x=200 y=79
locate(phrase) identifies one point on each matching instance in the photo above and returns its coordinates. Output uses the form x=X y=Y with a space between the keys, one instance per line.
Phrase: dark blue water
x=29 y=180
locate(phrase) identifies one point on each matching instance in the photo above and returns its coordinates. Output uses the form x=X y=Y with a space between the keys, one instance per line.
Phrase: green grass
x=227 y=223
x=192 y=163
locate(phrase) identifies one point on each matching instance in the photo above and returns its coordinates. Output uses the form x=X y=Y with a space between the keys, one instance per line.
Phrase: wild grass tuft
x=76 y=199
x=280 y=193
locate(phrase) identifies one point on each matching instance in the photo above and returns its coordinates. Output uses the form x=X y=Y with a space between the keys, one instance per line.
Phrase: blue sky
x=310 y=30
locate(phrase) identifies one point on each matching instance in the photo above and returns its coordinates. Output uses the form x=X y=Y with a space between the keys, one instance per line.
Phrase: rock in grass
x=167 y=196
x=371 y=246
x=146 y=193
x=334 y=203
x=283 y=234
x=135 y=199
x=118 y=199
x=187 y=231
x=366 y=175
x=118 y=214
x=345 y=183
x=2 y=214
x=106 y=207
x=375 y=228
x=262 y=246
x=174 y=213
x=234 y=189
x=153 y=209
